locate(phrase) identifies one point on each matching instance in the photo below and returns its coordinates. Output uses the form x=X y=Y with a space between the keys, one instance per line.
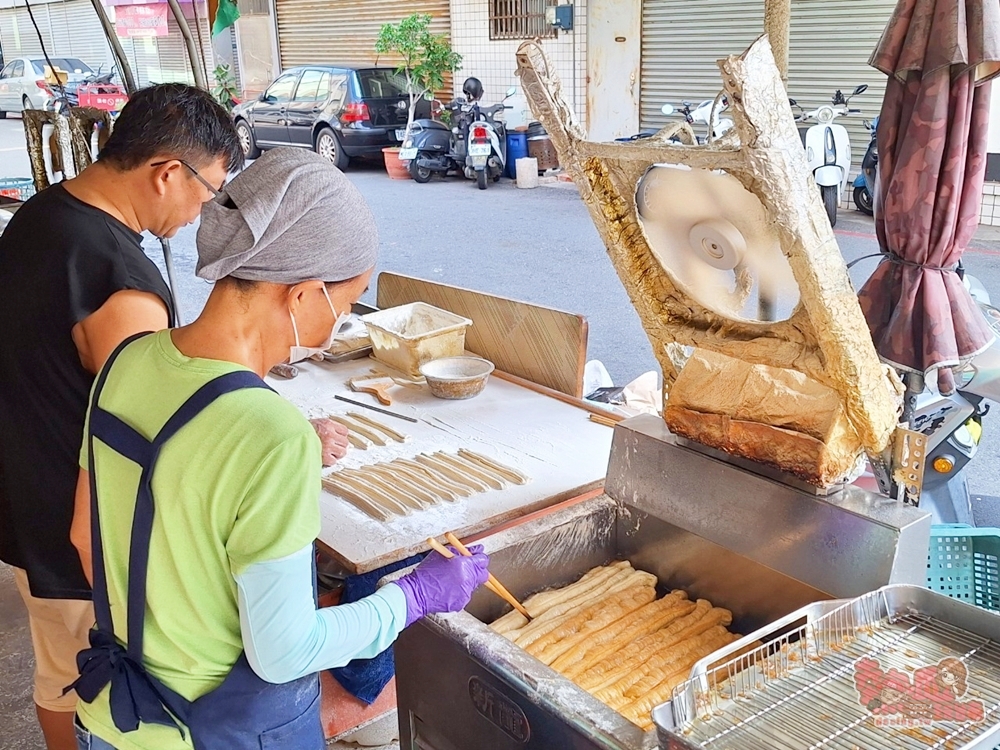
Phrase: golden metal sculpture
x=826 y=337
x=69 y=144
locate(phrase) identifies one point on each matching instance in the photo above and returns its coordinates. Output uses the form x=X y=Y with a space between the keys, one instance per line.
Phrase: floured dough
x=384 y=429
x=609 y=634
x=489 y=464
x=359 y=429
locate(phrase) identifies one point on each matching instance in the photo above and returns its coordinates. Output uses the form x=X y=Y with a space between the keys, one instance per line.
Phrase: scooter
x=693 y=115
x=828 y=147
x=666 y=109
x=864 y=184
x=487 y=145
x=703 y=115
x=475 y=145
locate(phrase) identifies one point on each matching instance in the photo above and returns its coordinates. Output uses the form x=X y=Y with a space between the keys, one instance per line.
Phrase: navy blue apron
x=244 y=712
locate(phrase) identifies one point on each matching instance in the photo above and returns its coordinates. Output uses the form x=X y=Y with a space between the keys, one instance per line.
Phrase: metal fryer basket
x=803 y=688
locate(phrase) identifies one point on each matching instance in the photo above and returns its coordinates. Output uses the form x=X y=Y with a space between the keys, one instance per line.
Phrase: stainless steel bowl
x=457 y=377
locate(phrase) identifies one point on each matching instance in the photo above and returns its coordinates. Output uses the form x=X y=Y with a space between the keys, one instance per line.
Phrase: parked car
x=340 y=111
x=23 y=85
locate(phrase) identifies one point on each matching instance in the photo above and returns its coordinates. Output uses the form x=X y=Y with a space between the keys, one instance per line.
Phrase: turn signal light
x=944 y=464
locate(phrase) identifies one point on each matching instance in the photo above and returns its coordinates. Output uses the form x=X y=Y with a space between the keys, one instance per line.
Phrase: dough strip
x=362 y=430
x=511 y=475
x=358 y=500
x=384 y=429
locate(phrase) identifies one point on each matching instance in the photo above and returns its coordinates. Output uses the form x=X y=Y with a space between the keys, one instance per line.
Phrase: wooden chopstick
x=491 y=583
x=607 y=421
x=447 y=553
x=499 y=587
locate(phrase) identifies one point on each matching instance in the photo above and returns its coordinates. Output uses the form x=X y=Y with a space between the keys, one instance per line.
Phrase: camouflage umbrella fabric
x=932 y=162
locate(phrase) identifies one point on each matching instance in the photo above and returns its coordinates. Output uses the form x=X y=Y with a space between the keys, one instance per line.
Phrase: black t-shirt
x=60 y=260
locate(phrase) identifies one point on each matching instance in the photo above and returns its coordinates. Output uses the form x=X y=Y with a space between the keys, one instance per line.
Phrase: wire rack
x=800 y=691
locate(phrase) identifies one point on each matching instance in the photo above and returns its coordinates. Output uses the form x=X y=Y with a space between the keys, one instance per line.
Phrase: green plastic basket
x=964 y=563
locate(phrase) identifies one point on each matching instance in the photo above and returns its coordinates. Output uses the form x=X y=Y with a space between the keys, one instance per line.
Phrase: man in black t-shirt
x=74 y=283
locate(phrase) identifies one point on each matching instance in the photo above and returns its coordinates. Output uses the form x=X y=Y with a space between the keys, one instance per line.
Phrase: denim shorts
x=86 y=741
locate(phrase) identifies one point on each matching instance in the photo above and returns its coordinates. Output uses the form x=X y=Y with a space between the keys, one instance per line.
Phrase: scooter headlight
x=825 y=115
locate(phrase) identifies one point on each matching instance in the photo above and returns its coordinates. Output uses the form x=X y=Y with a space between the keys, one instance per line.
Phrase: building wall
x=493 y=61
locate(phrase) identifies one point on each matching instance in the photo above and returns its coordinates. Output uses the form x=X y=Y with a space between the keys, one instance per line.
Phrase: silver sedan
x=23 y=84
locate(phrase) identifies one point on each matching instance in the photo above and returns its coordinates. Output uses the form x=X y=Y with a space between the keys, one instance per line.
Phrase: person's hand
x=440 y=584
x=333 y=435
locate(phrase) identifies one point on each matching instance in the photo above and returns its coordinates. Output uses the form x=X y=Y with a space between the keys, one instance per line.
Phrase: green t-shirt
x=239 y=484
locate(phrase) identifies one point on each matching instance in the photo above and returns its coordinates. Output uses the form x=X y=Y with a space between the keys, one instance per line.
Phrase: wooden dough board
x=543 y=345
x=551 y=441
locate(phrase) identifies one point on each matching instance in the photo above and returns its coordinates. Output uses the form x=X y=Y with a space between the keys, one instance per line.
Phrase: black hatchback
x=340 y=111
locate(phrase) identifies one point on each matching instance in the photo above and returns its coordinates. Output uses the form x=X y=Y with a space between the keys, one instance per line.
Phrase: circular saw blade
x=716 y=238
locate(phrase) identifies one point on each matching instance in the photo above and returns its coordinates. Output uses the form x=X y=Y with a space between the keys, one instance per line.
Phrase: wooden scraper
x=376 y=385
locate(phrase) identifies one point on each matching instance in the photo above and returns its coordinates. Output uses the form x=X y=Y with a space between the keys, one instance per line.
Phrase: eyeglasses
x=208 y=185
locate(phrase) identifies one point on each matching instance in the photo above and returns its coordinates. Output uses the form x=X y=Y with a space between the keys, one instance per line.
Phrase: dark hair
x=243 y=286
x=176 y=121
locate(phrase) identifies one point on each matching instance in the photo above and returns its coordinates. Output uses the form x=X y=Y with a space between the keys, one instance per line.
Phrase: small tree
x=224 y=90
x=425 y=57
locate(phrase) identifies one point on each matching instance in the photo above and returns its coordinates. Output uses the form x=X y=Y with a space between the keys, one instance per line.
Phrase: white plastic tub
x=406 y=337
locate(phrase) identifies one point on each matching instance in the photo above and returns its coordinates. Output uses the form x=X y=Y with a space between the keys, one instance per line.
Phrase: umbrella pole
x=914 y=387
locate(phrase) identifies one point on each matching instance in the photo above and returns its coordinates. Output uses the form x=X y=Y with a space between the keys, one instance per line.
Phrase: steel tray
x=822 y=684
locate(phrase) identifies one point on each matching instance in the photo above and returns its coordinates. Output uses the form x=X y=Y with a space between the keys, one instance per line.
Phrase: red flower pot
x=397 y=169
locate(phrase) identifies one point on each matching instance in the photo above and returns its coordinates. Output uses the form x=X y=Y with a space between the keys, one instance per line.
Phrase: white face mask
x=298 y=352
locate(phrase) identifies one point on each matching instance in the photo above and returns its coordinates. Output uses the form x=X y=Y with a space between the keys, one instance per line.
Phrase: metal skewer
x=375 y=408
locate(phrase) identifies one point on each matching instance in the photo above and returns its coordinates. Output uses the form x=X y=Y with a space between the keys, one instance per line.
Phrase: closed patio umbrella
x=932 y=153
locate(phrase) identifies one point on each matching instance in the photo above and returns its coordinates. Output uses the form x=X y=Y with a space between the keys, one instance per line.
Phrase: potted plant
x=424 y=58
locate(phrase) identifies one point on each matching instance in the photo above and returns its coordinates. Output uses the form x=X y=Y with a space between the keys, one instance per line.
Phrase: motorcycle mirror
x=511 y=91
x=667 y=109
x=861 y=89
x=793 y=103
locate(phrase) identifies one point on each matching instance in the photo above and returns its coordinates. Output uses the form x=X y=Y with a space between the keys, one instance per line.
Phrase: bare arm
x=79 y=532
x=123 y=314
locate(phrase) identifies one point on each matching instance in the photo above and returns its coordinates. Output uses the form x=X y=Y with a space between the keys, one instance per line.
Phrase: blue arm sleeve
x=286 y=637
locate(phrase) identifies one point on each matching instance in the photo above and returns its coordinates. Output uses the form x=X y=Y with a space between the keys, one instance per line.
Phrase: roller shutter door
x=681 y=40
x=172 y=52
x=830 y=42
x=143 y=58
x=344 y=31
x=69 y=29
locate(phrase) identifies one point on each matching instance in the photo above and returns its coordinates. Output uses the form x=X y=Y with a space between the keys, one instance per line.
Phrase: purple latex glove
x=439 y=584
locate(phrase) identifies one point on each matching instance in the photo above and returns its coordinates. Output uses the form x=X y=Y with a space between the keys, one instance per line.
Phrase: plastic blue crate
x=964 y=563
x=18 y=188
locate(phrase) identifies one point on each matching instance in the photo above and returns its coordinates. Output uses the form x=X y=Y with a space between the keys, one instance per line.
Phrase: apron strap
x=142 y=521
x=136 y=695
x=102 y=605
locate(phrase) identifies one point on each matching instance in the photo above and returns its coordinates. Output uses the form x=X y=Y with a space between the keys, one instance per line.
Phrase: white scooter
x=702 y=114
x=828 y=147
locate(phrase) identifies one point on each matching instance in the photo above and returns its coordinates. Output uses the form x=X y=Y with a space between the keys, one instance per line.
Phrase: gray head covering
x=289 y=217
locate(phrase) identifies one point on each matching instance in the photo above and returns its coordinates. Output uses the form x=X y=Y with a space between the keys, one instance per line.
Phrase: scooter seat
x=432 y=125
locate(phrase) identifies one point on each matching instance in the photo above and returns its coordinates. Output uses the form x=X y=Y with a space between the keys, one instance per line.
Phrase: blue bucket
x=517 y=148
